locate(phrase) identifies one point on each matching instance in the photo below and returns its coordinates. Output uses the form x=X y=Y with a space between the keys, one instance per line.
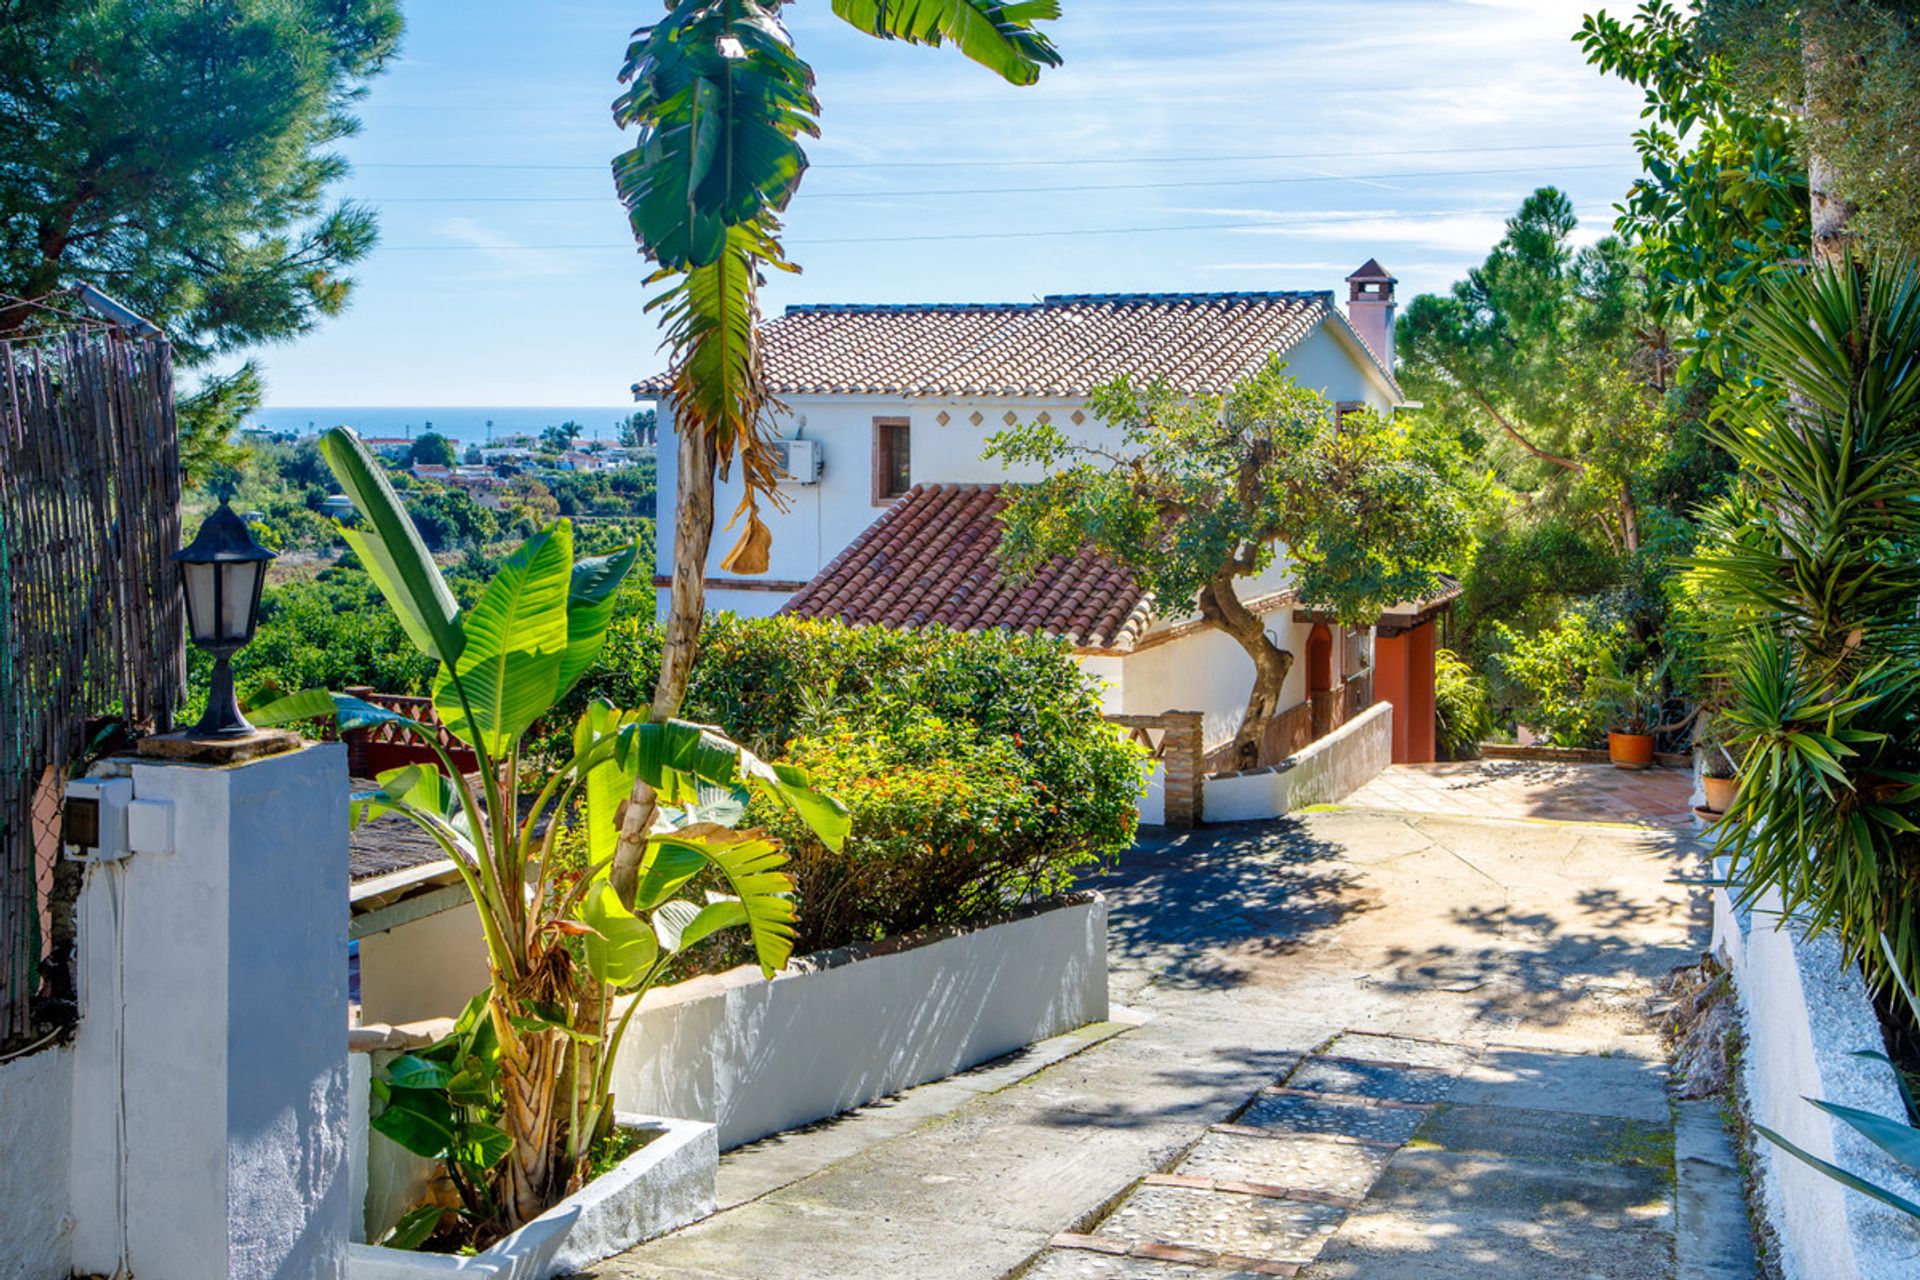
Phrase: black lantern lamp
x=222 y=573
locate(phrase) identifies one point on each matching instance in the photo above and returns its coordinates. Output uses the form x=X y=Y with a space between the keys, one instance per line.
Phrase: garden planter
x=1720 y=792
x=1630 y=750
x=666 y=1184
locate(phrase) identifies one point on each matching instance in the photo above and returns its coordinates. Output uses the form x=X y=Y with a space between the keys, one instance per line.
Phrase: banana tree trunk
x=687 y=607
x=530 y=1078
x=1220 y=606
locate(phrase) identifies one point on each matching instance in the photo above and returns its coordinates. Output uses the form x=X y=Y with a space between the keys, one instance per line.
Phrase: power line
x=999 y=191
x=1048 y=164
x=1302 y=221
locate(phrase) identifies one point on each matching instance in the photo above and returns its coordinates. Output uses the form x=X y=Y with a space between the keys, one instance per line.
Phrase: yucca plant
x=1809 y=574
x=561 y=944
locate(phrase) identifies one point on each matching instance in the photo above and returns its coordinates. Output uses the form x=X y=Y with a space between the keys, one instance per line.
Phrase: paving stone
x=1440 y=1216
x=1371 y=1080
x=1585 y=1084
x=1523 y=1134
x=1377 y=1047
x=1333 y=1167
x=1714 y=1241
x=1224 y=1222
x=1079 y=1264
x=1291 y=1113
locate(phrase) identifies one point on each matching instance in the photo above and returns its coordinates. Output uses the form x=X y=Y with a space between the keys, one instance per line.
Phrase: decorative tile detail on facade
x=932 y=558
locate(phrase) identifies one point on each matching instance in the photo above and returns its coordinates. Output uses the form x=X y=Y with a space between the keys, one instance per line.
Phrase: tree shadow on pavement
x=1178 y=900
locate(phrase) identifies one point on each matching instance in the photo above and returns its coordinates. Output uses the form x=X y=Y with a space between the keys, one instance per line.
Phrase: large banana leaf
x=749 y=862
x=607 y=783
x=509 y=673
x=621 y=947
x=997 y=34
x=721 y=99
x=676 y=757
x=391 y=550
x=590 y=599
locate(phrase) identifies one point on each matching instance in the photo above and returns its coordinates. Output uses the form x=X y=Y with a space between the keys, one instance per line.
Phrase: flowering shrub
x=947 y=823
x=975 y=764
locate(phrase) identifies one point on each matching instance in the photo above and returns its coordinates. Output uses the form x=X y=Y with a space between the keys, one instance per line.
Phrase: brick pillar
x=1180 y=753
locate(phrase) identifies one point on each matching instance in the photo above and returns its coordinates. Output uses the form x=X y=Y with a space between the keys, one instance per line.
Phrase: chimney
x=1370 y=308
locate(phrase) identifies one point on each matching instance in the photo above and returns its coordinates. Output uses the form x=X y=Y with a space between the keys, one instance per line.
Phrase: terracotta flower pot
x=1630 y=750
x=1720 y=792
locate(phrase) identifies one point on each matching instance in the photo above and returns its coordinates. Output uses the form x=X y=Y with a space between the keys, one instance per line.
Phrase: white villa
x=891 y=506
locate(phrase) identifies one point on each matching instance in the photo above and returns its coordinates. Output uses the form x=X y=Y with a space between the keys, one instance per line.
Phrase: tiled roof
x=1063 y=345
x=932 y=559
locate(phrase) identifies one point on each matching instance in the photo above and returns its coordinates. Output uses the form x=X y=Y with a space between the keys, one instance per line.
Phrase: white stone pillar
x=210 y=1100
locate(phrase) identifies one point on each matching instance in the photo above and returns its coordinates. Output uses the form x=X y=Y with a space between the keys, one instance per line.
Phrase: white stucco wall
x=36 y=1145
x=1209 y=673
x=1804 y=1012
x=426 y=968
x=824 y=518
x=1327 y=771
x=213 y=998
x=836 y=1031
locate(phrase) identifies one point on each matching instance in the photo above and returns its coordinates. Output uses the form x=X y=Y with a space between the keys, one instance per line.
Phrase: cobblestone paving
x=1534 y=789
x=1428 y=1032
x=1264 y=1194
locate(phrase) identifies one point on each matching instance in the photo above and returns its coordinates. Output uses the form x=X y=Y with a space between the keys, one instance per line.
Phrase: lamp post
x=222 y=572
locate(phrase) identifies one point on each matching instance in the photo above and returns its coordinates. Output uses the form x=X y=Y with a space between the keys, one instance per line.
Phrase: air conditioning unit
x=800 y=459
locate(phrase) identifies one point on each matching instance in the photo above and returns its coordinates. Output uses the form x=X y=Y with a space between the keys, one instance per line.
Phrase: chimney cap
x=1371 y=270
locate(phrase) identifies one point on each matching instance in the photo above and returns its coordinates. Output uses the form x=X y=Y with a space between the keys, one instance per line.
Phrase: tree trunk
x=1222 y=610
x=692 y=540
x=1831 y=216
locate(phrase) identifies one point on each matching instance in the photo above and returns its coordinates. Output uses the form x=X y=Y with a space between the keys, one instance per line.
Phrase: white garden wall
x=1804 y=1013
x=839 y=1029
x=36 y=1110
x=1326 y=771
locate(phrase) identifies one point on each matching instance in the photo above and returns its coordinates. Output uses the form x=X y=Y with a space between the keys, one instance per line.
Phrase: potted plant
x=1632 y=703
x=1719 y=772
x=516 y=1104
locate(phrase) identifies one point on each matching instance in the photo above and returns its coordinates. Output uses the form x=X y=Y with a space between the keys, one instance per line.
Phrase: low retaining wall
x=1326 y=771
x=1804 y=1014
x=36 y=1143
x=1573 y=755
x=839 y=1029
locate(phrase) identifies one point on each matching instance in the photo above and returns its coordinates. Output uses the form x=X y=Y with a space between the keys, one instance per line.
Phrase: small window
x=1344 y=409
x=892 y=458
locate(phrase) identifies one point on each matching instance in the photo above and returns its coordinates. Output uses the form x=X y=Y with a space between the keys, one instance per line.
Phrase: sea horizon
x=467 y=424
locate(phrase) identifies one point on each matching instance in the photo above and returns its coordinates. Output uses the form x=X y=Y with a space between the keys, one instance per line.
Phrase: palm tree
x=719 y=99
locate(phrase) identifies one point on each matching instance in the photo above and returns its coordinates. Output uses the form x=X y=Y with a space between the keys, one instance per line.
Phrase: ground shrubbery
x=1461 y=714
x=976 y=765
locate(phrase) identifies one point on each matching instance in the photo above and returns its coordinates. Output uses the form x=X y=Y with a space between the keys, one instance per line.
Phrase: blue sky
x=1186 y=145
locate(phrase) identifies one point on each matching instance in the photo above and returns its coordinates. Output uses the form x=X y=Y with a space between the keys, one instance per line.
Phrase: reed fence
x=90 y=631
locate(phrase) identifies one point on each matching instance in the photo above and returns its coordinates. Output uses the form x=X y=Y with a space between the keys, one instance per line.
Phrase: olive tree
x=1194 y=496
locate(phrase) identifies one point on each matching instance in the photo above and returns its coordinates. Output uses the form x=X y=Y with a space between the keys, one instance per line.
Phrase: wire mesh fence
x=90 y=631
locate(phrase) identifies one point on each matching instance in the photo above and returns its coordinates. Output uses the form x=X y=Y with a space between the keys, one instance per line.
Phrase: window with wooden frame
x=1342 y=409
x=892 y=458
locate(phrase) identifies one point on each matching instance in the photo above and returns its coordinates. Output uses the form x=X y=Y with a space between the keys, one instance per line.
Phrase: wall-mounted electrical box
x=100 y=821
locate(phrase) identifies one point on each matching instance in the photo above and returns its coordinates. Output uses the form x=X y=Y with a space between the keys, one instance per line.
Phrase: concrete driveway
x=1354 y=1044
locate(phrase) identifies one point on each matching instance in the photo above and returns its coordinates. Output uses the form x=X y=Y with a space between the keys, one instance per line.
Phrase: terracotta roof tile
x=1063 y=345
x=933 y=558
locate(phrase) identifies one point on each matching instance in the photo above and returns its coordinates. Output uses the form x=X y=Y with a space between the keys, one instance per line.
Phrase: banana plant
x=719 y=100
x=564 y=951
